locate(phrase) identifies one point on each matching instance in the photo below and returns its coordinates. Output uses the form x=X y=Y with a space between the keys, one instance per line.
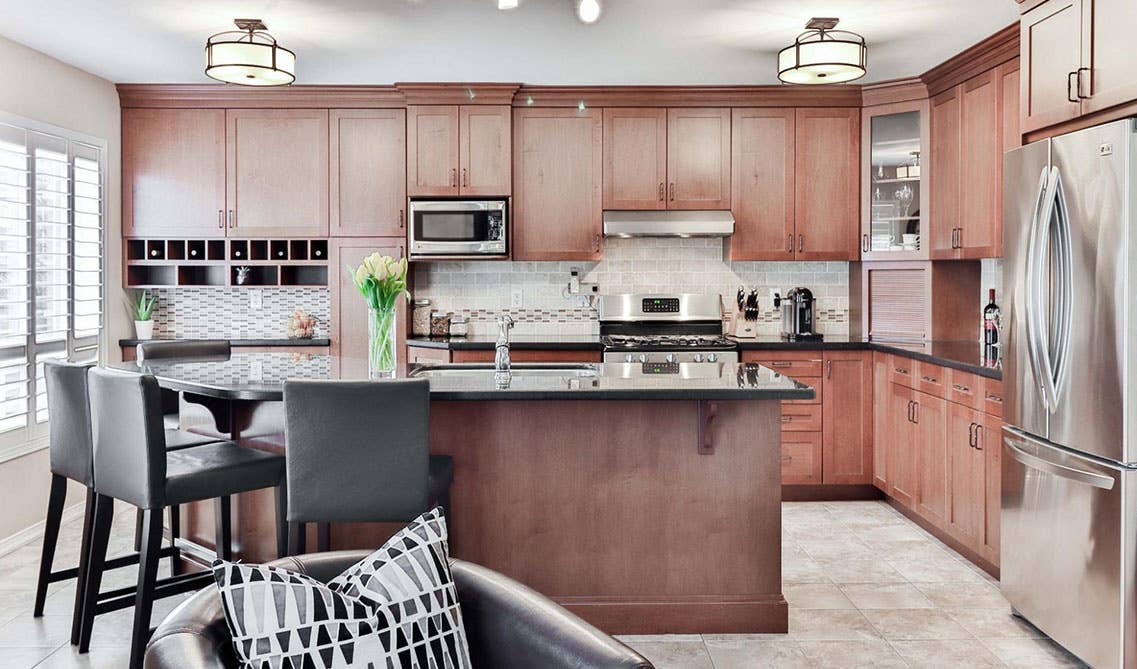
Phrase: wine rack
x=168 y=263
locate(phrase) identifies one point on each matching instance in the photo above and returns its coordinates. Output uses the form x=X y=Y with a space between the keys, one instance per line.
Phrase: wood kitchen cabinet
x=847 y=420
x=968 y=474
x=173 y=173
x=882 y=428
x=989 y=439
x=657 y=158
x=944 y=176
x=277 y=172
x=457 y=150
x=348 y=327
x=368 y=172
x=827 y=183
x=762 y=184
x=930 y=414
x=902 y=442
x=558 y=164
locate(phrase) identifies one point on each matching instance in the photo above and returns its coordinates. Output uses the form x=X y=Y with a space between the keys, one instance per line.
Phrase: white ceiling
x=541 y=42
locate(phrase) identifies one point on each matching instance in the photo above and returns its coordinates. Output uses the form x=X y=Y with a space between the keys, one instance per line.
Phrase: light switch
x=516 y=298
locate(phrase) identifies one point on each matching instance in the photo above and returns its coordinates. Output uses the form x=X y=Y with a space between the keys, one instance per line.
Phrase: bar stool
x=70 y=453
x=168 y=350
x=131 y=464
x=360 y=452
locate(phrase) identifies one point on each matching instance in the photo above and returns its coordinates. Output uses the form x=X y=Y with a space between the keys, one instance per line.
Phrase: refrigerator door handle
x=1064 y=285
x=1043 y=465
x=1056 y=277
x=1034 y=311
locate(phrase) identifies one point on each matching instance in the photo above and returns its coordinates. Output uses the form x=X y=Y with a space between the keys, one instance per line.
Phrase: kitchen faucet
x=501 y=361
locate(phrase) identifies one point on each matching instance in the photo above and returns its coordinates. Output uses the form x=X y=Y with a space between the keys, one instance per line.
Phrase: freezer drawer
x=1067 y=548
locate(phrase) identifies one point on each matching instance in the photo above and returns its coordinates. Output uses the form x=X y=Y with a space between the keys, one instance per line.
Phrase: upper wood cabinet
x=277 y=172
x=762 y=184
x=1107 y=40
x=698 y=158
x=557 y=162
x=827 y=183
x=173 y=173
x=368 y=172
x=847 y=417
x=635 y=158
x=894 y=200
x=458 y=150
x=944 y=175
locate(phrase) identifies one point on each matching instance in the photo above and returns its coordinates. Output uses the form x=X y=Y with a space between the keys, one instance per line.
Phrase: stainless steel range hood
x=668 y=223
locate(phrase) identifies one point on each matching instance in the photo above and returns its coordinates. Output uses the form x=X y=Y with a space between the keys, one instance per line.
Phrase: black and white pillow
x=395 y=609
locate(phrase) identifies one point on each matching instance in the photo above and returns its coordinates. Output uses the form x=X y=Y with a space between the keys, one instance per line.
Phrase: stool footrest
x=168 y=587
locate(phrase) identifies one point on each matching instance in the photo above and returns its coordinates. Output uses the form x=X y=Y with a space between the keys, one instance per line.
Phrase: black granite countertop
x=242 y=342
x=260 y=377
x=531 y=342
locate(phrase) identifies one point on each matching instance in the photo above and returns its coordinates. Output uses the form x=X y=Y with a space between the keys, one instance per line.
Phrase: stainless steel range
x=662 y=332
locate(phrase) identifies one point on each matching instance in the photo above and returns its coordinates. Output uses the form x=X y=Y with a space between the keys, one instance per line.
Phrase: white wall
x=43 y=89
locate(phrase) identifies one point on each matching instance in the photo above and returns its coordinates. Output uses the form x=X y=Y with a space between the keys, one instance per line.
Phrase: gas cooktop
x=665 y=342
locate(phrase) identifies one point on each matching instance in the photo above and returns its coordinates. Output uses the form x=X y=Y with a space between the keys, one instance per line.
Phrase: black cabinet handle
x=1069 y=87
x=661 y=191
x=800 y=243
x=1080 y=70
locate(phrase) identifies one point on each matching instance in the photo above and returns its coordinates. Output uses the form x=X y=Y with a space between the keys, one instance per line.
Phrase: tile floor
x=866 y=588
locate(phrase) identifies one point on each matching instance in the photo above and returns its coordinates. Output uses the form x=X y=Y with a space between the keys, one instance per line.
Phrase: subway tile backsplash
x=226 y=313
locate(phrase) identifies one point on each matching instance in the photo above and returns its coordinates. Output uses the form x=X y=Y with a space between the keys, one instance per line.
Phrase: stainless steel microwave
x=458 y=227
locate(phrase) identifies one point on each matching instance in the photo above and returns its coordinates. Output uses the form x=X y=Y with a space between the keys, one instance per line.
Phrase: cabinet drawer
x=794 y=364
x=801 y=458
x=801 y=417
x=965 y=388
x=814 y=383
x=902 y=371
x=993 y=397
x=930 y=378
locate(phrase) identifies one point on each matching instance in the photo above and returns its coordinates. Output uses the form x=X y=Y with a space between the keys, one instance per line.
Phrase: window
x=51 y=266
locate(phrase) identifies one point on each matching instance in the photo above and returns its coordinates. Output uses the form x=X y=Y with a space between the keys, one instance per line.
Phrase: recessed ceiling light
x=588 y=10
x=249 y=56
x=507 y=4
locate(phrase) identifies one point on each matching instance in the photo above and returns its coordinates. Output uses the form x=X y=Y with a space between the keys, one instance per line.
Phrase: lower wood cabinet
x=930 y=415
x=801 y=458
x=990 y=441
x=847 y=418
x=968 y=479
x=881 y=429
x=527 y=355
x=903 y=444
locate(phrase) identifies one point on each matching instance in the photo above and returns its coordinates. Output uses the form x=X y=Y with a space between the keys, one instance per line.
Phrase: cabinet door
x=698 y=158
x=1050 y=48
x=944 y=175
x=1009 y=78
x=1107 y=42
x=967 y=475
x=635 y=158
x=981 y=166
x=930 y=414
x=762 y=184
x=432 y=150
x=801 y=458
x=990 y=442
x=484 y=150
x=277 y=171
x=348 y=328
x=847 y=419
x=368 y=172
x=173 y=172
x=902 y=443
x=827 y=191
x=882 y=428
x=558 y=160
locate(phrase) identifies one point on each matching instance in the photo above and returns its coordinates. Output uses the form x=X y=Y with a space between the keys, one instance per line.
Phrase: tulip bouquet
x=381 y=280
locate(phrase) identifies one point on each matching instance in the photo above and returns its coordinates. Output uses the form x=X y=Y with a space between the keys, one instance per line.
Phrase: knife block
x=740 y=328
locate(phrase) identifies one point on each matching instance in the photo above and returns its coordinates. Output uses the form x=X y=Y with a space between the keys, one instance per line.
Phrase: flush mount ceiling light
x=821 y=55
x=588 y=11
x=507 y=4
x=249 y=56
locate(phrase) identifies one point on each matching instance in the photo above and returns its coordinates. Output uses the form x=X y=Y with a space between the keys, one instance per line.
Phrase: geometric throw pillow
x=395 y=609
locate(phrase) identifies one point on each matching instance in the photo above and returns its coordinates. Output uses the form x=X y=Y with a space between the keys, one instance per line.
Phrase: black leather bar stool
x=360 y=452
x=131 y=464
x=168 y=350
x=70 y=451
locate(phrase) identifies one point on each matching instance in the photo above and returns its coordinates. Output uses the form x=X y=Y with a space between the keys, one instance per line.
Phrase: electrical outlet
x=256 y=299
x=516 y=298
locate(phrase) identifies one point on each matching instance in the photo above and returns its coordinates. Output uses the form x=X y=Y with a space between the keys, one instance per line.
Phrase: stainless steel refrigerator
x=1069 y=466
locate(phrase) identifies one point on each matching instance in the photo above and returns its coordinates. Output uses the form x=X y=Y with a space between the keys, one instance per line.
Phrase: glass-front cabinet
x=894 y=212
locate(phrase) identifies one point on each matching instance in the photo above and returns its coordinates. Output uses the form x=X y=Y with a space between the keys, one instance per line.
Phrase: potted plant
x=381 y=280
x=142 y=308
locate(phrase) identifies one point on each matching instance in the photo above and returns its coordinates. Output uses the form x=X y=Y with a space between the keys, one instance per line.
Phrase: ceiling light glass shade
x=507 y=4
x=250 y=58
x=588 y=10
x=823 y=57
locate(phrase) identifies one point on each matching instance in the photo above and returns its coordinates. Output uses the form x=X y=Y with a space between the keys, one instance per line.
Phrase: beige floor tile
x=826 y=625
x=29 y=632
x=886 y=596
x=835 y=547
x=909 y=552
x=994 y=624
x=945 y=654
x=24 y=658
x=861 y=571
x=1031 y=653
x=875 y=653
x=675 y=654
x=99 y=658
x=815 y=596
x=755 y=653
x=909 y=624
x=803 y=570
x=936 y=571
x=976 y=595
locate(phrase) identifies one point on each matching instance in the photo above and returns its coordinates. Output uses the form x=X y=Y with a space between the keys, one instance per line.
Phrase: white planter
x=144 y=329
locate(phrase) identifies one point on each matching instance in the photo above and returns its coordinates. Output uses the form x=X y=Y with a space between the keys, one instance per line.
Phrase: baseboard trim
x=830 y=493
x=32 y=533
x=953 y=543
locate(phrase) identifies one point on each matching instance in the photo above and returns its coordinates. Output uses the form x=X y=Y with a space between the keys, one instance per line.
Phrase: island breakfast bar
x=671 y=529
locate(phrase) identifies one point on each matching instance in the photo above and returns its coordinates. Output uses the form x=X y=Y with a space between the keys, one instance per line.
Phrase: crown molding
x=689 y=96
x=457 y=93
x=891 y=92
x=992 y=52
x=279 y=97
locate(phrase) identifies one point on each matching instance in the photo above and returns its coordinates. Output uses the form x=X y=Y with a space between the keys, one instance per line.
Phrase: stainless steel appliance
x=668 y=223
x=797 y=315
x=458 y=227
x=1069 y=466
x=665 y=334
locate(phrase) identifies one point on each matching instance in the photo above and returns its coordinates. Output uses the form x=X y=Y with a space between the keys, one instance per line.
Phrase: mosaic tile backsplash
x=206 y=313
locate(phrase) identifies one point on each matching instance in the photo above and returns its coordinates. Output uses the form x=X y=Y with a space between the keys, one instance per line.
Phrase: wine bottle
x=992 y=320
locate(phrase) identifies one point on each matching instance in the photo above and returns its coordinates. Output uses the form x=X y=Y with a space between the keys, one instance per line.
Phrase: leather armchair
x=508 y=625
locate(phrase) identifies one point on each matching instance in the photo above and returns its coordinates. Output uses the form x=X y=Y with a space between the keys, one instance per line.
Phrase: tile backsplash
x=484 y=289
x=226 y=313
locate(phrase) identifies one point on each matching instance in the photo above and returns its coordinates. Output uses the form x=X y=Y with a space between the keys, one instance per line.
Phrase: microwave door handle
x=1064 y=471
x=1031 y=290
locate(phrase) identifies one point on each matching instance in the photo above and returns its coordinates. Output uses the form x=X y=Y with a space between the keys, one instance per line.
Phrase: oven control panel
x=660 y=305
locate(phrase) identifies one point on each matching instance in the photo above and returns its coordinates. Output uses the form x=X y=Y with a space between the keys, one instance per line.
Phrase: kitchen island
x=645 y=500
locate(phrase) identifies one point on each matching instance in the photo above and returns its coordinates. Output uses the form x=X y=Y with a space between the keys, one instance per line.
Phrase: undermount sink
x=518 y=370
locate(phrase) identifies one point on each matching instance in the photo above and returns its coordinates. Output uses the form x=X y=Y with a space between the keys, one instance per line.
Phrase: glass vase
x=381 y=339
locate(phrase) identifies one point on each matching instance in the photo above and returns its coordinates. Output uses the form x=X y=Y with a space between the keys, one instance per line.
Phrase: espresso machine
x=797 y=315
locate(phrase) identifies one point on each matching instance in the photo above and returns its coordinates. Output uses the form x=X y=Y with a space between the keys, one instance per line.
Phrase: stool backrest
x=69 y=425
x=129 y=437
x=164 y=350
x=357 y=450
